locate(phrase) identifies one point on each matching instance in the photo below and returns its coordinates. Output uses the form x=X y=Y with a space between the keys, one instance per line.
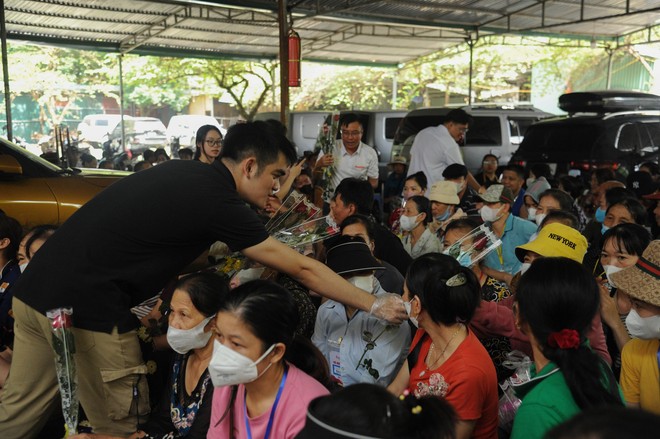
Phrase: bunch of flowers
x=326 y=142
x=296 y=224
x=65 y=366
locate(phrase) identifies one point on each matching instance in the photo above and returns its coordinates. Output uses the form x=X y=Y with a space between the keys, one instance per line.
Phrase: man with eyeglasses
x=436 y=147
x=351 y=157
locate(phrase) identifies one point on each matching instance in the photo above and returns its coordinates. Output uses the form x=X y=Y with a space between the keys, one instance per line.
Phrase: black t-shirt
x=123 y=246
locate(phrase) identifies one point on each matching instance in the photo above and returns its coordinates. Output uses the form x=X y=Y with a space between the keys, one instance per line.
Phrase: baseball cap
x=444 y=192
x=537 y=188
x=497 y=193
x=641 y=183
x=554 y=240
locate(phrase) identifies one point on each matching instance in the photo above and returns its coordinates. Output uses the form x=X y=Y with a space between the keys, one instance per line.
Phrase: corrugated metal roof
x=362 y=31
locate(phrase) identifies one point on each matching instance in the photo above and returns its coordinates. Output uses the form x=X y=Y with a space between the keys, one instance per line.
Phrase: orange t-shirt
x=467 y=380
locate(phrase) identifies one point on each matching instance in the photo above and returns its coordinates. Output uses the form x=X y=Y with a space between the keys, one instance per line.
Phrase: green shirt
x=546 y=402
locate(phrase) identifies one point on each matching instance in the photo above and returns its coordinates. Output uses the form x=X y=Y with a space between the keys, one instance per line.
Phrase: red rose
x=62 y=320
x=564 y=339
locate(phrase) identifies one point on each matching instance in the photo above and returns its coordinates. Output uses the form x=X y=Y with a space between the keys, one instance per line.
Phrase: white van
x=496 y=129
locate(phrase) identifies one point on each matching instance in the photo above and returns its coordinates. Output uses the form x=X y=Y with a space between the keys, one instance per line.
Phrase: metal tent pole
x=5 y=71
x=284 y=61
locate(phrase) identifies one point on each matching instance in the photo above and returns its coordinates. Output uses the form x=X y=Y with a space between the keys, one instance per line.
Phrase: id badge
x=335 y=360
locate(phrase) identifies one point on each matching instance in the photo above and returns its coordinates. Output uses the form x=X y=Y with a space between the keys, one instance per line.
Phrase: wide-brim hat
x=556 y=240
x=398 y=160
x=642 y=280
x=444 y=192
x=497 y=193
x=351 y=254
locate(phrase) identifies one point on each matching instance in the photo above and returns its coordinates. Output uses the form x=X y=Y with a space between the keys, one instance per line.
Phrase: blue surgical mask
x=604 y=229
x=600 y=215
x=444 y=216
x=465 y=259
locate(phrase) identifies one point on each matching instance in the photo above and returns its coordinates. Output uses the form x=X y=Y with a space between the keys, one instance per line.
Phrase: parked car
x=35 y=191
x=183 y=128
x=141 y=133
x=496 y=129
x=610 y=128
x=95 y=129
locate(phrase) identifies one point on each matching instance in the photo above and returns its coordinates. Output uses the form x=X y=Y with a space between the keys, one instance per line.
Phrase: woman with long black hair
x=556 y=301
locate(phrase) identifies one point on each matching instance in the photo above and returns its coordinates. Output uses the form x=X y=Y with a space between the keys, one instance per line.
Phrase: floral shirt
x=180 y=415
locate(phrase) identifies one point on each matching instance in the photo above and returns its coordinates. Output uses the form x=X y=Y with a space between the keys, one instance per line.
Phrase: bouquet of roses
x=296 y=209
x=308 y=233
x=326 y=142
x=65 y=366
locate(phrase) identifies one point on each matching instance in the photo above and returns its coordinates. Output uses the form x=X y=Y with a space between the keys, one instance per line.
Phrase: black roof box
x=608 y=101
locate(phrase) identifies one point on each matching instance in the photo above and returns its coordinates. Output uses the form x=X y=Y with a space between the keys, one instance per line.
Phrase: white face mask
x=609 y=271
x=365 y=283
x=539 y=218
x=488 y=214
x=184 y=340
x=408 y=307
x=646 y=328
x=460 y=187
x=524 y=267
x=408 y=222
x=531 y=213
x=229 y=368
x=22 y=267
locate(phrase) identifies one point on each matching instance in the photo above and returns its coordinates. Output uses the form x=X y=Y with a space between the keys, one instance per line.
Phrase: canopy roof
x=381 y=32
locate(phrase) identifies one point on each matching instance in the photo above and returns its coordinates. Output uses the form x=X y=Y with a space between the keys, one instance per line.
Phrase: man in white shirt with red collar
x=351 y=157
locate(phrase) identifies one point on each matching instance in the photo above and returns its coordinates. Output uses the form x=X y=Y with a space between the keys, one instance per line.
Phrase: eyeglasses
x=351 y=133
x=211 y=142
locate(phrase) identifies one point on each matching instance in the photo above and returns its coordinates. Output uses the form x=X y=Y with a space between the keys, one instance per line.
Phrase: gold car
x=35 y=191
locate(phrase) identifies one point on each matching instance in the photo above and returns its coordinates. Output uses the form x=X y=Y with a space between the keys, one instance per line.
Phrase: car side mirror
x=9 y=165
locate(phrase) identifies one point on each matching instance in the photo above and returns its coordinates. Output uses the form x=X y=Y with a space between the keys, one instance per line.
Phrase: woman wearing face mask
x=260 y=392
x=209 y=144
x=446 y=358
x=639 y=359
x=622 y=246
x=418 y=240
x=415 y=184
x=555 y=304
x=185 y=410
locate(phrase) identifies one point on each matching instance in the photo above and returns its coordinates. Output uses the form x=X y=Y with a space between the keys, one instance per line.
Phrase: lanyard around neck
x=272 y=411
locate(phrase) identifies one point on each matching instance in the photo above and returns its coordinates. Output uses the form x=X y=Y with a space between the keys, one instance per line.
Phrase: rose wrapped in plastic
x=65 y=366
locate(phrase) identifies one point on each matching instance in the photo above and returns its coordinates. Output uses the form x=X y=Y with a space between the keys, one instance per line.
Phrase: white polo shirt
x=362 y=164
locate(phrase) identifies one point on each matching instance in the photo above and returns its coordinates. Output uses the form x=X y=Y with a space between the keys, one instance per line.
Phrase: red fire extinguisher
x=294 y=58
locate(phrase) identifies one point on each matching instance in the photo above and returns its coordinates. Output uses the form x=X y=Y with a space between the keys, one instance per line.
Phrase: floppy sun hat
x=444 y=192
x=555 y=240
x=642 y=280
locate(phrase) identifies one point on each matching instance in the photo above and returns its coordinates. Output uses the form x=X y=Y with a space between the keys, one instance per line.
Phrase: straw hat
x=398 y=159
x=642 y=280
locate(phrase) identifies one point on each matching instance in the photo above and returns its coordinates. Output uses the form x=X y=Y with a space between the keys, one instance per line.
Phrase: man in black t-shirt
x=121 y=248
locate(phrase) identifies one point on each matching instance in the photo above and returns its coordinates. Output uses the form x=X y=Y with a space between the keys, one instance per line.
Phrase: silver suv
x=496 y=129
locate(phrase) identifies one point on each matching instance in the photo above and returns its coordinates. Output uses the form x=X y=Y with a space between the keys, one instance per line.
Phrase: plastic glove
x=389 y=306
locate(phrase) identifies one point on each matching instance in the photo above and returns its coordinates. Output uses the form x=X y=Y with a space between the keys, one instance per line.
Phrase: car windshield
x=143 y=126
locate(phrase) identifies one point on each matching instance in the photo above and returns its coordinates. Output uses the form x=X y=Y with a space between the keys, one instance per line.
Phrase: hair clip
x=457 y=280
x=417 y=410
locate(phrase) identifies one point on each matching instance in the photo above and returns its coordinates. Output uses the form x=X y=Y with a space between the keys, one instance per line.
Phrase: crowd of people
x=402 y=325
